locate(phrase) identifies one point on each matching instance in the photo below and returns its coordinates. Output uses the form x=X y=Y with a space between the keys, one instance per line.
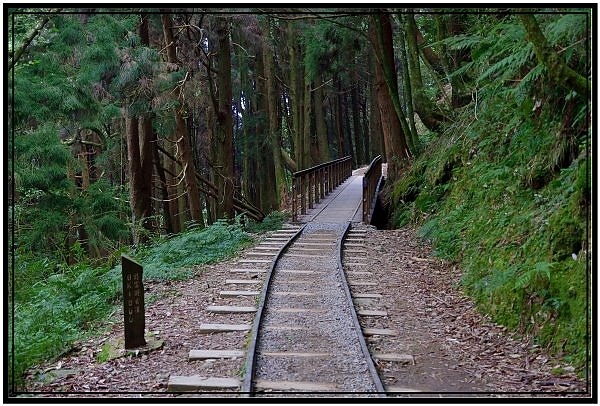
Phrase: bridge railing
x=311 y=185
x=371 y=182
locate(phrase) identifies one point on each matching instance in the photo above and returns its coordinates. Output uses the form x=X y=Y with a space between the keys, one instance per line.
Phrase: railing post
x=322 y=182
x=370 y=182
x=317 y=185
x=311 y=182
x=294 y=197
x=364 y=199
x=302 y=195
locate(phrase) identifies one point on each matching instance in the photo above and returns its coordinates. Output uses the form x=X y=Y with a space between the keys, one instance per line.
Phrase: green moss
x=565 y=235
x=494 y=202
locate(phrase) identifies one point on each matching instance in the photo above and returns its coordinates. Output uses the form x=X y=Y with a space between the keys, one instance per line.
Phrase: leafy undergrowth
x=173 y=257
x=510 y=203
x=59 y=304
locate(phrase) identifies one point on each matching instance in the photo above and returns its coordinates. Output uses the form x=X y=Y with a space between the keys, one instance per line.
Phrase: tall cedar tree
x=183 y=138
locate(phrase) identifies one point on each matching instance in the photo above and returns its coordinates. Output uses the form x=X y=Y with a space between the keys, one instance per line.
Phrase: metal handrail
x=311 y=185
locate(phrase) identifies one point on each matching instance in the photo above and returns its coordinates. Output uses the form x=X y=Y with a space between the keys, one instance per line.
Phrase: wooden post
x=294 y=199
x=365 y=204
x=302 y=195
x=311 y=185
x=133 y=303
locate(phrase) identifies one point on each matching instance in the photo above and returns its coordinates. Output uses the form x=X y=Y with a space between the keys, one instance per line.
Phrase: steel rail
x=248 y=385
x=361 y=338
x=250 y=358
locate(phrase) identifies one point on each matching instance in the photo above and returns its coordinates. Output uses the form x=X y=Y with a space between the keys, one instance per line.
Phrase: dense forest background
x=164 y=130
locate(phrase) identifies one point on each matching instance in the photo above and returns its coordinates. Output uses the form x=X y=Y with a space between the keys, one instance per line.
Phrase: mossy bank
x=507 y=197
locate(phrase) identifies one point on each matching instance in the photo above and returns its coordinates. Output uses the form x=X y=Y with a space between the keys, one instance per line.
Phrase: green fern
x=507 y=67
x=535 y=275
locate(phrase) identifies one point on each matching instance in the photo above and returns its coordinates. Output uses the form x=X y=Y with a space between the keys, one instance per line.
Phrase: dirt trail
x=455 y=348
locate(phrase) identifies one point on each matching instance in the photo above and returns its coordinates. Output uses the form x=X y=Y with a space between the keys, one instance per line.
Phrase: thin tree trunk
x=358 y=136
x=137 y=199
x=224 y=141
x=295 y=94
x=376 y=132
x=306 y=136
x=274 y=128
x=365 y=129
x=347 y=130
x=264 y=153
x=321 y=125
x=189 y=170
x=162 y=177
x=339 y=129
x=412 y=138
x=558 y=70
x=429 y=114
x=175 y=211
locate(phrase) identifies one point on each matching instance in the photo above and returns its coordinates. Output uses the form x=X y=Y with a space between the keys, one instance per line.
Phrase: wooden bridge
x=333 y=193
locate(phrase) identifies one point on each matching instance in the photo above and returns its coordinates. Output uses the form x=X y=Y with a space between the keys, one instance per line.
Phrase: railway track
x=305 y=337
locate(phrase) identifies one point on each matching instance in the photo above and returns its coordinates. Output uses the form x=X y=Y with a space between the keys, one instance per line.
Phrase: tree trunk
x=429 y=114
x=395 y=145
x=339 y=130
x=224 y=142
x=321 y=125
x=375 y=130
x=274 y=127
x=162 y=177
x=347 y=130
x=173 y=187
x=189 y=172
x=428 y=53
x=449 y=25
x=265 y=171
x=558 y=70
x=365 y=130
x=412 y=138
x=358 y=137
x=139 y=196
x=307 y=133
x=384 y=49
x=295 y=92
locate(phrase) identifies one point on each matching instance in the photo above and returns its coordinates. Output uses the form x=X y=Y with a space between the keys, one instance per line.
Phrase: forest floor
x=457 y=352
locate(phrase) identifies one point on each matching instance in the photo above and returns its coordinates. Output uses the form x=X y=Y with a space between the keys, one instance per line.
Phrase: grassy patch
x=172 y=258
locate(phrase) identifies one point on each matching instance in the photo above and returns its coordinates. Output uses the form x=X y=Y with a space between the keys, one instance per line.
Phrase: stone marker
x=133 y=303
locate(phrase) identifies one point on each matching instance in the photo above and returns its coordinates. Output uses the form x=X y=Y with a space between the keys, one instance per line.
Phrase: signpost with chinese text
x=133 y=303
